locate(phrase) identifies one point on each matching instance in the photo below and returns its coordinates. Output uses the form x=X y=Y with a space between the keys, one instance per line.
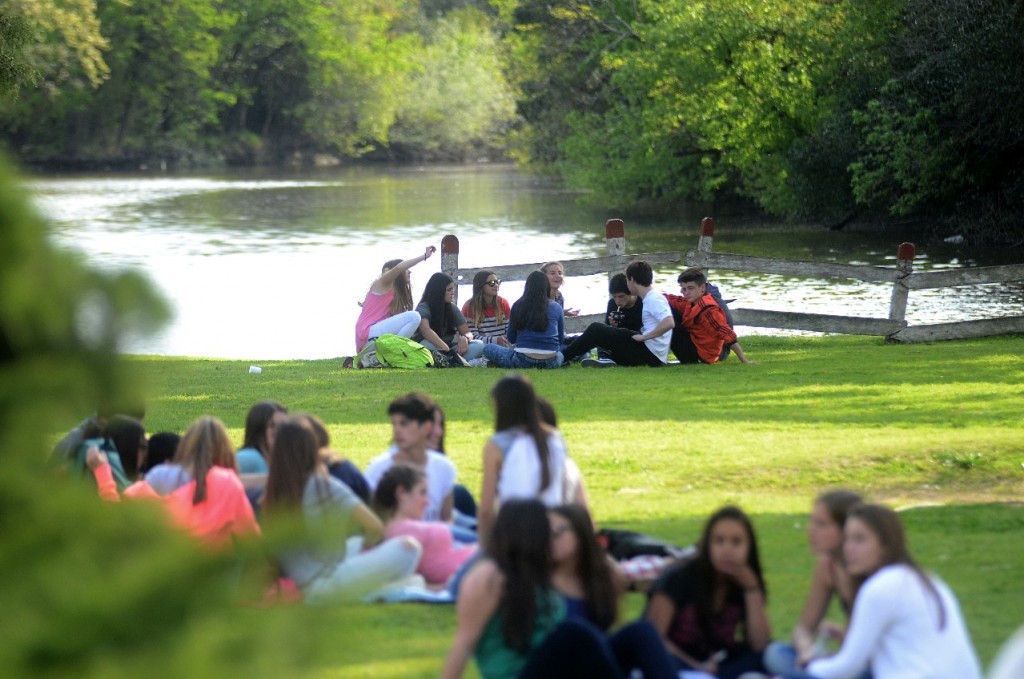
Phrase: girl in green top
x=511 y=619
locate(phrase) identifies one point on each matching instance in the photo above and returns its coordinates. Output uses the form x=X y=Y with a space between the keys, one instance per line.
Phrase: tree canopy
x=824 y=110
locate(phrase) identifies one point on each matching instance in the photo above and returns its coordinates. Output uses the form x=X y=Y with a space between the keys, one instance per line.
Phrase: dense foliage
x=822 y=110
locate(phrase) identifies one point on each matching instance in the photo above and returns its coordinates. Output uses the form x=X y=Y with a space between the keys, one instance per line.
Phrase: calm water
x=263 y=265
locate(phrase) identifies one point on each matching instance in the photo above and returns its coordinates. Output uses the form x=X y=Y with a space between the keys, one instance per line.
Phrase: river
x=261 y=264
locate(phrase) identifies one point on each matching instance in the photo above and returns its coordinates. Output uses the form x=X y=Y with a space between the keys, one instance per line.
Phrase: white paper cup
x=255 y=370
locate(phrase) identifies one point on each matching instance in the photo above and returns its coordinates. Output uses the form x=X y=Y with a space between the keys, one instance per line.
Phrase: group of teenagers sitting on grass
x=643 y=324
x=536 y=594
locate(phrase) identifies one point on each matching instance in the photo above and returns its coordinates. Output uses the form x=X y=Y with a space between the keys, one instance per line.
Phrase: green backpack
x=394 y=351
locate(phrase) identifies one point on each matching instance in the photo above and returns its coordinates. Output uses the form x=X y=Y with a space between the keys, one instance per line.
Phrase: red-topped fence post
x=615 y=237
x=900 y=292
x=707 y=237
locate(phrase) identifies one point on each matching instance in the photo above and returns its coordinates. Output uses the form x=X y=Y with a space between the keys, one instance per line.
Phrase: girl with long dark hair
x=525 y=458
x=486 y=311
x=710 y=612
x=299 y=487
x=387 y=307
x=442 y=326
x=510 y=618
x=536 y=328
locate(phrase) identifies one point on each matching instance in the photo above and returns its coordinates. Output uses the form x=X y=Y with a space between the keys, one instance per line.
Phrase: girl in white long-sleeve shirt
x=905 y=623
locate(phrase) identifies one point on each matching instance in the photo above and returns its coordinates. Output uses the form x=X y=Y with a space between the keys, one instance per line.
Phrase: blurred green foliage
x=92 y=589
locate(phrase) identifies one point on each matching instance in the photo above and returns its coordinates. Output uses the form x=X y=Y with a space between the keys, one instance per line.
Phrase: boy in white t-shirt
x=412 y=421
x=627 y=347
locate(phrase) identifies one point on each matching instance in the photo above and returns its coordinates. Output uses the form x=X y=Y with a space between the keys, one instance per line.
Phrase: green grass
x=937 y=427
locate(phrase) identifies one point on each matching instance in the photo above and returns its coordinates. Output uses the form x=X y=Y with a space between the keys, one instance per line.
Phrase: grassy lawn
x=934 y=429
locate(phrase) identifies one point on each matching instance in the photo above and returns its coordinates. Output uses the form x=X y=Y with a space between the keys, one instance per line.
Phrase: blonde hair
x=205 y=445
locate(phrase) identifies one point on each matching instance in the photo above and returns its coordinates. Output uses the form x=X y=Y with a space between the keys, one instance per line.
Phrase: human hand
x=832 y=630
x=503 y=341
x=740 y=572
x=463 y=345
x=94 y=457
x=638 y=338
x=429 y=251
x=572 y=312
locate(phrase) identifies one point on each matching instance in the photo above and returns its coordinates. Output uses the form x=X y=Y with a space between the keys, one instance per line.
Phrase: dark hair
x=414 y=405
x=439 y=411
x=520 y=546
x=617 y=284
x=641 y=273
x=887 y=527
x=402 y=301
x=162 y=447
x=531 y=310
x=385 y=497
x=706 y=576
x=477 y=304
x=126 y=433
x=256 y=423
x=293 y=459
x=692 y=275
x=838 y=503
x=547 y=411
x=323 y=439
x=205 y=445
x=442 y=320
x=515 y=405
x=600 y=600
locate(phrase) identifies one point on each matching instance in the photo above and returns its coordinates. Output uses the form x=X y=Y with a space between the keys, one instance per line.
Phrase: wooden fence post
x=900 y=292
x=450 y=259
x=615 y=238
x=707 y=237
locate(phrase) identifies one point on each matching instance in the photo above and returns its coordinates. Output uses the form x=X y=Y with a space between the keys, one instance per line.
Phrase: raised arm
x=386 y=279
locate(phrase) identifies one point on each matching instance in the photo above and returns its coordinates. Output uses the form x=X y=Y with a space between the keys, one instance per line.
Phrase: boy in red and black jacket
x=702 y=329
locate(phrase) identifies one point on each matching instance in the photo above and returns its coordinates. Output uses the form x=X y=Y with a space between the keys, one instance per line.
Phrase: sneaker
x=598 y=363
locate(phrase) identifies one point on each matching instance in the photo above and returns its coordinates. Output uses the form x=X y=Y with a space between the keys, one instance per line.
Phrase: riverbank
x=933 y=426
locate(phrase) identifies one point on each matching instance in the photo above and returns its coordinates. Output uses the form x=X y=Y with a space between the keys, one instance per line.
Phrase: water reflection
x=260 y=265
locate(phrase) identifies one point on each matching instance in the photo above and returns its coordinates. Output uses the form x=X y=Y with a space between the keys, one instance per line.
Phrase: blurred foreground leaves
x=92 y=589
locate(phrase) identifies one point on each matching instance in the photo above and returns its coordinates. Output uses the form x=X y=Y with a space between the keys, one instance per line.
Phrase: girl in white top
x=525 y=458
x=905 y=624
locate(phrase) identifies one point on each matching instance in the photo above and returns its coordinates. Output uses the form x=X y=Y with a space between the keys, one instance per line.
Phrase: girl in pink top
x=401 y=499
x=212 y=505
x=387 y=307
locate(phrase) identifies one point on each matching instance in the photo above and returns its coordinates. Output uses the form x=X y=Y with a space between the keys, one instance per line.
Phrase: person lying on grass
x=400 y=501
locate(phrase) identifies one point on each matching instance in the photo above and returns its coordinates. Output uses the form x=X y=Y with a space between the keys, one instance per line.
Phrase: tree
x=458 y=104
x=942 y=140
x=39 y=37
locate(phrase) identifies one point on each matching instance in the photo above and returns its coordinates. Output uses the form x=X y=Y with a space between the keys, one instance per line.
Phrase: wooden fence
x=902 y=277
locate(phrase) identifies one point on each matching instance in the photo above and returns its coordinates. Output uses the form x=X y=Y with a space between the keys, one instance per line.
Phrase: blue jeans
x=506 y=357
x=476 y=349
